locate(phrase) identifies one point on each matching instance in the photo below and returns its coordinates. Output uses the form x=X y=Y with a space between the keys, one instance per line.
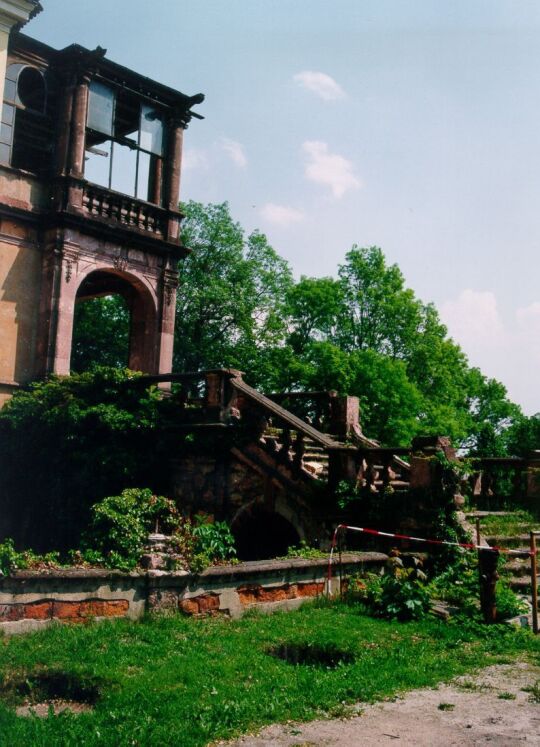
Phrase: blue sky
x=413 y=125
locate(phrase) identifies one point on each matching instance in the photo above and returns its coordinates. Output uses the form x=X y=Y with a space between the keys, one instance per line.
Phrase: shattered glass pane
x=100 y=108
x=151 y=130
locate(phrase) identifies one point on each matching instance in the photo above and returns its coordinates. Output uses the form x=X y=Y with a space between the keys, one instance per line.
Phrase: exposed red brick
x=258 y=593
x=67 y=610
x=78 y=611
x=11 y=612
x=310 y=589
x=208 y=602
x=189 y=606
x=115 y=608
x=38 y=610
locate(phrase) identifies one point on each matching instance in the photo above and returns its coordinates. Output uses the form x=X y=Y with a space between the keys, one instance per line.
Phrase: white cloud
x=473 y=319
x=281 y=215
x=235 y=151
x=195 y=158
x=505 y=348
x=321 y=84
x=329 y=169
x=529 y=319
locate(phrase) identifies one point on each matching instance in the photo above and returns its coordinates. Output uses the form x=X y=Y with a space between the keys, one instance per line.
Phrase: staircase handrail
x=284 y=415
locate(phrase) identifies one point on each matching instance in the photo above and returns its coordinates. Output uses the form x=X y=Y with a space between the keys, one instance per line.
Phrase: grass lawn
x=179 y=681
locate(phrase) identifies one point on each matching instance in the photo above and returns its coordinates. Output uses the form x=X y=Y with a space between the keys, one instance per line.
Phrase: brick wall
x=30 y=600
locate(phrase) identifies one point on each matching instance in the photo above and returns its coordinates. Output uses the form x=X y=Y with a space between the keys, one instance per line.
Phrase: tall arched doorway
x=114 y=323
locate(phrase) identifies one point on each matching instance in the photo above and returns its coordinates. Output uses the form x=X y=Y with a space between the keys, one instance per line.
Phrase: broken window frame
x=107 y=135
x=16 y=116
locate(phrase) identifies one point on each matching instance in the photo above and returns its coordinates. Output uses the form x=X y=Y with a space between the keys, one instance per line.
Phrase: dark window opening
x=261 y=534
x=124 y=143
x=101 y=329
x=26 y=132
x=31 y=90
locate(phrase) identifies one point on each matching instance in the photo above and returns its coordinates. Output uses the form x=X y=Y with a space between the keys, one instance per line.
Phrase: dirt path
x=489 y=708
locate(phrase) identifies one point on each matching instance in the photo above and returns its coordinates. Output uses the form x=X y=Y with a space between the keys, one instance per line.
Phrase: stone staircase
x=517 y=568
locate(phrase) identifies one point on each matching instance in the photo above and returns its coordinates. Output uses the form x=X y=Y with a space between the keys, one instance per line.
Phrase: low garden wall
x=30 y=600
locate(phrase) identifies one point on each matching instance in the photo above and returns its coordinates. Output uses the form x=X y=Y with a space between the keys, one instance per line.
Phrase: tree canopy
x=362 y=333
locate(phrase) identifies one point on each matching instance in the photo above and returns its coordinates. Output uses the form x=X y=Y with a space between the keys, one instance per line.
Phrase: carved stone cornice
x=15 y=13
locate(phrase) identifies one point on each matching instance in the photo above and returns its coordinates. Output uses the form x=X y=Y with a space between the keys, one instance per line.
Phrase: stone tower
x=90 y=158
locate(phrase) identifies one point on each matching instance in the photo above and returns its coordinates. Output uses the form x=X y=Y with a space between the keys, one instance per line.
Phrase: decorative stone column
x=169 y=283
x=177 y=125
x=56 y=309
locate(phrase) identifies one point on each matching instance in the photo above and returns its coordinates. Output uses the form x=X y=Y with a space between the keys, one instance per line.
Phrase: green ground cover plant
x=178 y=681
x=518 y=522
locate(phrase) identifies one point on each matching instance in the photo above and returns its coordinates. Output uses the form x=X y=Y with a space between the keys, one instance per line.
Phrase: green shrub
x=12 y=560
x=508 y=602
x=400 y=594
x=120 y=526
x=213 y=539
x=88 y=435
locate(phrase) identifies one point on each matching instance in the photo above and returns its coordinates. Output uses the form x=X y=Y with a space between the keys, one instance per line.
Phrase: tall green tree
x=231 y=296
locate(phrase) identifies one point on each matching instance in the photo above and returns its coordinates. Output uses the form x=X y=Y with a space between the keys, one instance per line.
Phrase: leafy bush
x=88 y=435
x=400 y=594
x=213 y=539
x=12 y=560
x=508 y=602
x=120 y=526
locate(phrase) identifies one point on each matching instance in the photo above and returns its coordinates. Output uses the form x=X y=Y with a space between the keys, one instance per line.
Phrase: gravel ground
x=491 y=707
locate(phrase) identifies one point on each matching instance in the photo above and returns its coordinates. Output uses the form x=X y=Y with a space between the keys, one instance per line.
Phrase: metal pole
x=340 y=546
x=534 y=584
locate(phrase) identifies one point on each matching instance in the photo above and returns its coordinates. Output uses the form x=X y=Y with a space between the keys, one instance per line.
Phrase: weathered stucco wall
x=20 y=279
x=31 y=600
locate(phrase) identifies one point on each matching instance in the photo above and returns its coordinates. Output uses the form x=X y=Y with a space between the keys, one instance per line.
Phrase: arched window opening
x=26 y=140
x=261 y=534
x=31 y=92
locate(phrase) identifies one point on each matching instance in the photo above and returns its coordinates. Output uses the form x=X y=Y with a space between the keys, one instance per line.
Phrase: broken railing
x=496 y=481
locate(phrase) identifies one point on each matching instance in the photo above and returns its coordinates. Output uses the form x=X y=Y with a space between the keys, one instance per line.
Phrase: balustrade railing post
x=299 y=450
x=533 y=476
x=286 y=443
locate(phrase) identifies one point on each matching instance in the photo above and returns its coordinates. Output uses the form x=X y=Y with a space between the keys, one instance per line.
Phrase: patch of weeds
x=471 y=686
x=303 y=550
x=506 y=696
x=401 y=594
x=534 y=692
x=446 y=706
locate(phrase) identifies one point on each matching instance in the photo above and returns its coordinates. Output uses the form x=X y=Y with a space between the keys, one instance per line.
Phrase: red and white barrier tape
x=465 y=545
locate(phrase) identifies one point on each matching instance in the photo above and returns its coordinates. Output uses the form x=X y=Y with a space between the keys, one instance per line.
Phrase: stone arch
x=142 y=304
x=264 y=531
x=69 y=264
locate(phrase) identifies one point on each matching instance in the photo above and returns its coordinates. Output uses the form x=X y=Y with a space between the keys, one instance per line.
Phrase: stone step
x=520 y=584
x=518 y=567
x=515 y=540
